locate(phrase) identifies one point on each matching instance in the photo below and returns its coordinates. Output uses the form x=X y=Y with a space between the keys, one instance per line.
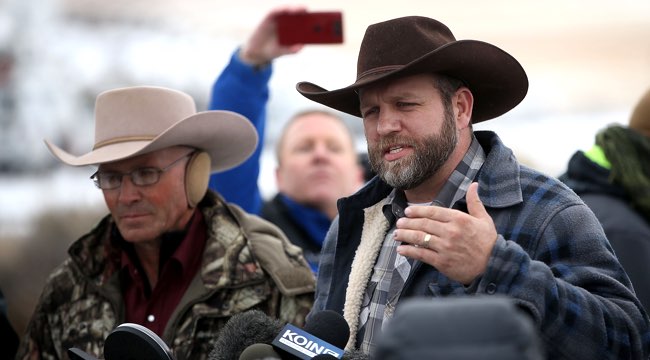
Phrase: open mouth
x=396 y=152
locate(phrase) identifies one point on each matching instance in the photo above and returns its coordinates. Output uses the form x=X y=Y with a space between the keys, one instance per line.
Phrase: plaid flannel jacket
x=551 y=256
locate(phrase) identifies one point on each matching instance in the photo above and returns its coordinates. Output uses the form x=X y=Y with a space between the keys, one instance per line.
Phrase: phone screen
x=310 y=28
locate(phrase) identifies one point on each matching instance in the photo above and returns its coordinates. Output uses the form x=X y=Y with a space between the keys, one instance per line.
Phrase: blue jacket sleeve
x=243 y=89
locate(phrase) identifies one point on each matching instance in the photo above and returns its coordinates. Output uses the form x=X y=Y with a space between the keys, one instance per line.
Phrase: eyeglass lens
x=107 y=180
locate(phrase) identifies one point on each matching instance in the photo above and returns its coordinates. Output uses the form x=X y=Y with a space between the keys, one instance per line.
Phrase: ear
x=278 y=179
x=463 y=104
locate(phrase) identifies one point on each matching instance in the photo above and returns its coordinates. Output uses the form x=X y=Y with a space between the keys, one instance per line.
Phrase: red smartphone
x=310 y=28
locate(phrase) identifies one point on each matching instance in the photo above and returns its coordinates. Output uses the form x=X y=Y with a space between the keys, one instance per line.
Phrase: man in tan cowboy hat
x=171 y=255
x=452 y=212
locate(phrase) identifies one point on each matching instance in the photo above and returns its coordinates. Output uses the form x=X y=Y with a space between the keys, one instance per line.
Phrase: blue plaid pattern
x=551 y=257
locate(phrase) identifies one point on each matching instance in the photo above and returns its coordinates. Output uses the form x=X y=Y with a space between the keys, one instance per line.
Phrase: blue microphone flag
x=304 y=345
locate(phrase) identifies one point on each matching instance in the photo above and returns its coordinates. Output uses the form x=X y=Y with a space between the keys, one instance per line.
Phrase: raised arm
x=242 y=87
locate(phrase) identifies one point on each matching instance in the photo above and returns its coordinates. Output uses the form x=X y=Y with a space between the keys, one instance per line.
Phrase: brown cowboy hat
x=137 y=120
x=416 y=44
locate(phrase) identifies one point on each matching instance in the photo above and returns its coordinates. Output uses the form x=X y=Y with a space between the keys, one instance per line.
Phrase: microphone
x=326 y=332
x=129 y=341
x=259 y=352
x=267 y=352
x=242 y=331
x=133 y=341
x=329 y=326
x=459 y=328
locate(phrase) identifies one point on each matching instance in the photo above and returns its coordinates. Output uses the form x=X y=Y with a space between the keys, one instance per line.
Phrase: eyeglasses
x=109 y=180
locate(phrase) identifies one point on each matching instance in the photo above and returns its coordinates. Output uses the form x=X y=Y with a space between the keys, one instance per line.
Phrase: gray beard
x=430 y=154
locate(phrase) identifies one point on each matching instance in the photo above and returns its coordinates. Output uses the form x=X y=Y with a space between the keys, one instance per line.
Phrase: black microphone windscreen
x=486 y=327
x=330 y=326
x=259 y=352
x=134 y=341
x=243 y=330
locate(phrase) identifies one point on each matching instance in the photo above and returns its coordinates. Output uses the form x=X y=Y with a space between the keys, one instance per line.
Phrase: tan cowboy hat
x=137 y=120
x=415 y=44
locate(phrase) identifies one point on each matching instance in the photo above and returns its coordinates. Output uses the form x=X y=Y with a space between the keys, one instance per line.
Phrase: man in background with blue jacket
x=316 y=158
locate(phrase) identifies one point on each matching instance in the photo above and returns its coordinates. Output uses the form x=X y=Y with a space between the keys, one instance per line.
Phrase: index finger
x=433 y=212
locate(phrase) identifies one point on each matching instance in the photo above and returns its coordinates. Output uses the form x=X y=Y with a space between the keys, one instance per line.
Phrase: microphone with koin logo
x=326 y=332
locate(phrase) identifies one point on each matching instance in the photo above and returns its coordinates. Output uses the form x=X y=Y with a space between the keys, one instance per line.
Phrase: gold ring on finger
x=427 y=239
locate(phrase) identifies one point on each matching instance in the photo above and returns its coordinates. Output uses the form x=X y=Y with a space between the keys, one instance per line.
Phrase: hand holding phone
x=310 y=28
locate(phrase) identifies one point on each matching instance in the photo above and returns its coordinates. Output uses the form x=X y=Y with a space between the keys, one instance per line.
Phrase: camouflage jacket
x=247 y=264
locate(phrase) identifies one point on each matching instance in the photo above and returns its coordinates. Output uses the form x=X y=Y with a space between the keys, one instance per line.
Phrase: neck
x=330 y=210
x=149 y=256
x=149 y=253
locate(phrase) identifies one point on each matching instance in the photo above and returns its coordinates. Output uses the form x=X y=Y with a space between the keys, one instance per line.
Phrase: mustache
x=137 y=208
x=391 y=140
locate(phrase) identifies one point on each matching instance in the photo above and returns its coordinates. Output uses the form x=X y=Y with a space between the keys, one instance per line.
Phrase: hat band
x=121 y=140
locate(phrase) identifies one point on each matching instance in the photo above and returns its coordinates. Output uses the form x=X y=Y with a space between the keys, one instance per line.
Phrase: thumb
x=474 y=205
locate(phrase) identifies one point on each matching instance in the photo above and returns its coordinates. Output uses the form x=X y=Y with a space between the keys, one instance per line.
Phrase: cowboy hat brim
x=229 y=139
x=496 y=79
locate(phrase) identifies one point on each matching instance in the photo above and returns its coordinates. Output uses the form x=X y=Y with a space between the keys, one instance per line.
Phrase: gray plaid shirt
x=391 y=269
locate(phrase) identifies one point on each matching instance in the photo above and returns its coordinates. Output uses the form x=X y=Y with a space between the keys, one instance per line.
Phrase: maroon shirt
x=180 y=259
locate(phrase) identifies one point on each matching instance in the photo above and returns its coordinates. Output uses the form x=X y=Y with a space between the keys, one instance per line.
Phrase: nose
x=321 y=152
x=388 y=122
x=128 y=191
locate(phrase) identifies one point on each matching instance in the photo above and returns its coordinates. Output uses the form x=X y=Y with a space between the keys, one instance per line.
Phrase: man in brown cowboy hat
x=452 y=212
x=171 y=255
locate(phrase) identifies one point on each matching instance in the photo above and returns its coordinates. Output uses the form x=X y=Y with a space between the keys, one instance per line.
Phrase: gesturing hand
x=459 y=244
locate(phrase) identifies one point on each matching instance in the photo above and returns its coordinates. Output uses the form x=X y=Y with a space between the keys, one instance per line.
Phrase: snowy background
x=588 y=63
